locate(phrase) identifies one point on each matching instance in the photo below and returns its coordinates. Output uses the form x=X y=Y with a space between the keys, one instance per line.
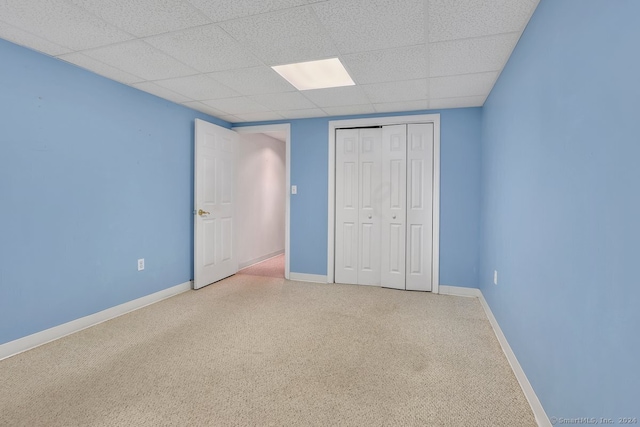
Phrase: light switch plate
x=294 y=189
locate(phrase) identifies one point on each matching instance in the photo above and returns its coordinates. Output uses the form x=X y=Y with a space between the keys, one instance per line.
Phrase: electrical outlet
x=141 y=264
x=495 y=277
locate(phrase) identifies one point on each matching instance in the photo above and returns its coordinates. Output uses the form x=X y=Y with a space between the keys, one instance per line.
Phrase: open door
x=214 y=245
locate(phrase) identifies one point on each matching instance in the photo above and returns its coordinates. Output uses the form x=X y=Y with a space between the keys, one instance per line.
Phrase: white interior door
x=393 y=222
x=214 y=245
x=419 y=206
x=370 y=159
x=347 y=206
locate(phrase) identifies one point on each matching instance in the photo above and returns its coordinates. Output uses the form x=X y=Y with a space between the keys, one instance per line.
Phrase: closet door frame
x=385 y=121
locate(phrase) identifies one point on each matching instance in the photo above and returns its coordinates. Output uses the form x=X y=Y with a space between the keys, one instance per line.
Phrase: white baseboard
x=303 y=277
x=39 y=338
x=459 y=291
x=529 y=393
x=259 y=259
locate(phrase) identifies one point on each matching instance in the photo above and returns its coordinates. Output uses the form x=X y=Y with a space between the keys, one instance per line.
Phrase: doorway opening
x=263 y=200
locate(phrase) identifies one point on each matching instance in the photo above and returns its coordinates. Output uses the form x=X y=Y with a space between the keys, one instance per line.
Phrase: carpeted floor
x=272 y=267
x=263 y=351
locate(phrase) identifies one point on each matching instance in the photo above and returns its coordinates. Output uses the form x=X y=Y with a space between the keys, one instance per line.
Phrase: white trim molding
x=538 y=411
x=39 y=338
x=460 y=291
x=280 y=127
x=259 y=259
x=384 y=121
x=303 y=277
x=536 y=407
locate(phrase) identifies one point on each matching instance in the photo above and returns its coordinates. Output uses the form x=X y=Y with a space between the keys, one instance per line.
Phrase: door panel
x=419 y=207
x=393 y=209
x=347 y=206
x=369 y=214
x=214 y=204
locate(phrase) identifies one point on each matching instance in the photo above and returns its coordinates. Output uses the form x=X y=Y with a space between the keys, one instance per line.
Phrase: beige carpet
x=262 y=351
x=272 y=267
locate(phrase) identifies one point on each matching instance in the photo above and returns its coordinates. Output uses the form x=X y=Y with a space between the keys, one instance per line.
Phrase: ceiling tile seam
x=103 y=63
x=486 y=36
x=224 y=21
x=133 y=36
x=39 y=37
x=406 y=46
x=523 y=27
x=190 y=99
x=150 y=35
x=463 y=74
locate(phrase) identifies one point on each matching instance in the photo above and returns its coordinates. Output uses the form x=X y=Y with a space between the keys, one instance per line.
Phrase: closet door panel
x=369 y=219
x=347 y=206
x=393 y=209
x=419 y=206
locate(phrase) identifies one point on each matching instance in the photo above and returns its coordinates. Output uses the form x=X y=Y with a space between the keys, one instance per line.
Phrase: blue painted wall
x=459 y=194
x=93 y=176
x=560 y=209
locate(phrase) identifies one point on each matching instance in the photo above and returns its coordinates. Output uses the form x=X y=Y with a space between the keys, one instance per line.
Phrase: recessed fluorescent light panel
x=315 y=74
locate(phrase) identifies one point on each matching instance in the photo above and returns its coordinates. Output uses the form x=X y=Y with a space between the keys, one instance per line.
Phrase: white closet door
x=419 y=206
x=347 y=206
x=393 y=223
x=369 y=221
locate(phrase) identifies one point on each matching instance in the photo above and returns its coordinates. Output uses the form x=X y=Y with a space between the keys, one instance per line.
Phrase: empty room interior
x=319 y=212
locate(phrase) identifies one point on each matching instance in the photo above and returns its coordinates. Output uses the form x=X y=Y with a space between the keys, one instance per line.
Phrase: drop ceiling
x=215 y=56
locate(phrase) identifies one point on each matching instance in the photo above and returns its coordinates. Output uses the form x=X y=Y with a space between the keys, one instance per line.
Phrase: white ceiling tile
x=463 y=85
x=145 y=17
x=206 y=48
x=347 y=110
x=402 y=63
x=253 y=81
x=337 y=96
x=160 y=91
x=292 y=35
x=225 y=10
x=460 y=102
x=140 y=59
x=61 y=23
x=357 y=26
x=390 y=107
x=24 y=38
x=407 y=90
x=199 y=87
x=101 y=68
x=283 y=101
x=302 y=114
x=204 y=108
x=238 y=105
x=259 y=117
x=473 y=55
x=451 y=20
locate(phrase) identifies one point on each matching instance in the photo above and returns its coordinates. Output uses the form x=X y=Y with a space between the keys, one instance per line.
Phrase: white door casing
x=394 y=182
x=334 y=125
x=419 y=206
x=214 y=245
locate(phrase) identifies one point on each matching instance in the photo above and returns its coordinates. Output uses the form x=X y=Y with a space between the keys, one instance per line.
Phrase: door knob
x=201 y=212
x=394 y=217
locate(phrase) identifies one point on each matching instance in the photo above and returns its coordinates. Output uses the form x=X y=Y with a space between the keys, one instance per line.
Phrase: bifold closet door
x=394 y=203
x=419 y=207
x=358 y=161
